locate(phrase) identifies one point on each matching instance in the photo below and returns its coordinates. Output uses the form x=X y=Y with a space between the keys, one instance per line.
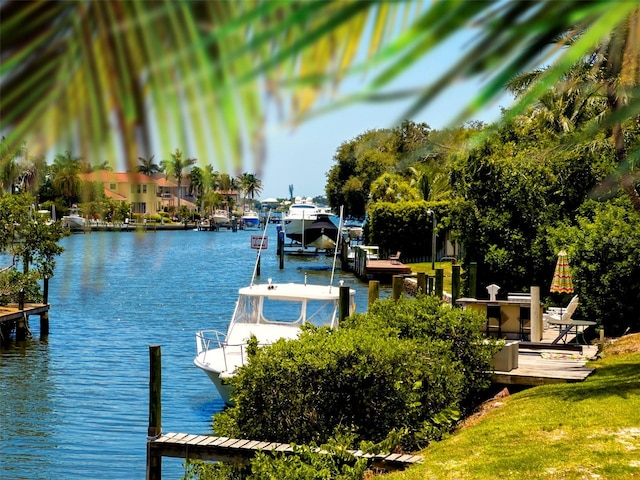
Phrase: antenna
x=264 y=234
x=335 y=251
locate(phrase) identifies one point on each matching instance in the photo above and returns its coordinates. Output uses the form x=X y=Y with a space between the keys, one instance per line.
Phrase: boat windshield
x=288 y=311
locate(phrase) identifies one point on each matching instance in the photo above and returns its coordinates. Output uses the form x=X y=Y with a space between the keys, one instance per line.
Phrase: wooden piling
x=439 y=288
x=473 y=279
x=430 y=284
x=422 y=282
x=343 y=304
x=154 y=462
x=455 y=283
x=397 y=284
x=374 y=292
x=536 y=315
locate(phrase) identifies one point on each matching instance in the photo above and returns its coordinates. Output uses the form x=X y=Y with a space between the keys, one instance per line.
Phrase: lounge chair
x=395 y=258
x=563 y=320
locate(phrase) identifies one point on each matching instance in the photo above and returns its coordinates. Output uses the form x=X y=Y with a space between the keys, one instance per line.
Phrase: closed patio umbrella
x=561 y=282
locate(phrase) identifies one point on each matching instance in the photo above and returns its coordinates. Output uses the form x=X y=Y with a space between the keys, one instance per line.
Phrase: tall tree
x=250 y=185
x=147 y=165
x=65 y=170
x=176 y=168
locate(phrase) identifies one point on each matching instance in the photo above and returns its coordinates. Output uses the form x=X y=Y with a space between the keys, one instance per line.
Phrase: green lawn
x=587 y=430
x=426 y=268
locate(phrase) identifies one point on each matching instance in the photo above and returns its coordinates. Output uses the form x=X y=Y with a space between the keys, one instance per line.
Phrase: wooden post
x=154 y=462
x=343 y=304
x=374 y=292
x=258 y=264
x=455 y=284
x=396 y=287
x=439 y=282
x=536 y=315
x=45 y=290
x=44 y=324
x=430 y=282
x=473 y=279
x=281 y=248
x=422 y=283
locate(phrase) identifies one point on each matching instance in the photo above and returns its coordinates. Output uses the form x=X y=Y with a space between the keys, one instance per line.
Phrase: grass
x=587 y=430
x=426 y=268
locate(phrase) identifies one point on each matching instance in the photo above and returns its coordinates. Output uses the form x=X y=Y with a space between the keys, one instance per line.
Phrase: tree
x=250 y=185
x=176 y=167
x=508 y=40
x=66 y=183
x=391 y=187
x=148 y=166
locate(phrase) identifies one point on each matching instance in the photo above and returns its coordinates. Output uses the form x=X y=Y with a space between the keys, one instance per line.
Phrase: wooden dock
x=13 y=316
x=386 y=268
x=542 y=364
x=223 y=449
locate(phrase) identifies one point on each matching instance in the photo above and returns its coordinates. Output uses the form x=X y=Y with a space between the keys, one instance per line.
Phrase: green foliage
x=359 y=162
x=604 y=254
x=25 y=236
x=408 y=367
x=509 y=190
x=404 y=226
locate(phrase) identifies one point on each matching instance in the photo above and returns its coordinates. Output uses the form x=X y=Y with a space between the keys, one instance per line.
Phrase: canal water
x=75 y=405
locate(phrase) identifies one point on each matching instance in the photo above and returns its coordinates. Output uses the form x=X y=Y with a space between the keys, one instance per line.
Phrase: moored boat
x=74 y=221
x=251 y=219
x=220 y=217
x=302 y=213
x=321 y=234
x=269 y=312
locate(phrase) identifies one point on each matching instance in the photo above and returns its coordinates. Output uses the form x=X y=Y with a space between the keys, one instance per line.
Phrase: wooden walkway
x=223 y=449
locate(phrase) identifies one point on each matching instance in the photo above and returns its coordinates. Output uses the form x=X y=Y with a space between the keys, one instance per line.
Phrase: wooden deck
x=11 y=312
x=545 y=363
x=212 y=448
x=386 y=267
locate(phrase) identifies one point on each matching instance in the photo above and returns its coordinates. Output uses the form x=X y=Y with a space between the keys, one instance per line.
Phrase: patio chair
x=395 y=258
x=564 y=320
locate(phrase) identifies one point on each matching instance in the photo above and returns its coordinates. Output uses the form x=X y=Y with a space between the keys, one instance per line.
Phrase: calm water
x=75 y=405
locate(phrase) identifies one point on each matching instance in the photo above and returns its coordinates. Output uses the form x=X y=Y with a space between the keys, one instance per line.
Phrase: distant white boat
x=301 y=215
x=251 y=219
x=74 y=221
x=221 y=217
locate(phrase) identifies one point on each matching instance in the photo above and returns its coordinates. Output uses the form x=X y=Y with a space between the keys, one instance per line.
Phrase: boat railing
x=208 y=340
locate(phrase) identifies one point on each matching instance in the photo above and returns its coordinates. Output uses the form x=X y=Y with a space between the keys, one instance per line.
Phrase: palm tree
x=65 y=170
x=9 y=171
x=175 y=168
x=221 y=53
x=250 y=185
x=148 y=166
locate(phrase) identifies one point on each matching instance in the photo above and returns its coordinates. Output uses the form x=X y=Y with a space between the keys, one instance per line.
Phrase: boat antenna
x=264 y=234
x=335 y=250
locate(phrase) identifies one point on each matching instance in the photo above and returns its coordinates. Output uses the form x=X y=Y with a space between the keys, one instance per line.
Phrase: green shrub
x=374 y=376
x=604 y=255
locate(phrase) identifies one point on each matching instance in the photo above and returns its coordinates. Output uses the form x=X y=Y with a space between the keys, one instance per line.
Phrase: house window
x=144 y=188
x=112 y=186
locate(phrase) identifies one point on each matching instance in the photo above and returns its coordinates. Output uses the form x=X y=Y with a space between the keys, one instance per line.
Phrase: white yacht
x=220 y=217
x=302 y=213
x=269 y=312
x=74 y=221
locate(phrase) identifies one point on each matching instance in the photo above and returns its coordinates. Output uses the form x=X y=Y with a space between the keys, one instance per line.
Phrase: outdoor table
x=566 y=326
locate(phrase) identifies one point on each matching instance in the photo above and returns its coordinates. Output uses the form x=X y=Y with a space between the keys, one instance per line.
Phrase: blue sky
x=302 y=157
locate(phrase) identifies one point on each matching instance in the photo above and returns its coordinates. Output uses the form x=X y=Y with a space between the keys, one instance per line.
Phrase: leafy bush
x=406 y=367
x=604 y=253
